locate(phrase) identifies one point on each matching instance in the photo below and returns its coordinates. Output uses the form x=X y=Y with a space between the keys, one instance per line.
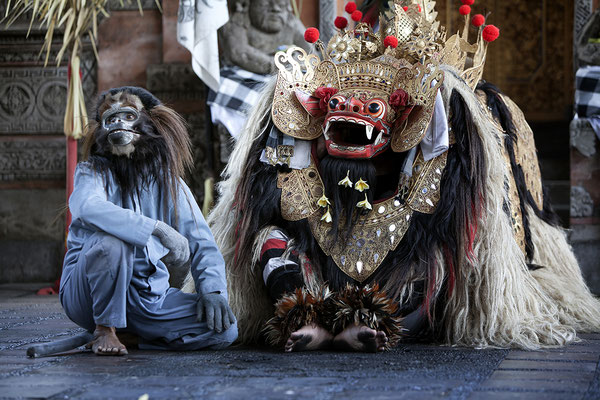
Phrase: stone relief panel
x=23 y=216
x=32 y=100
x=171 y=82
x=327 y=13
x=32 y=158
x=582 y=204
x=583 y=137
x=583 y=10
x=200 y=169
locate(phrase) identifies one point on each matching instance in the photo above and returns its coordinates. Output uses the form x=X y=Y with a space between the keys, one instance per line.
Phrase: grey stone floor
x=409 y=372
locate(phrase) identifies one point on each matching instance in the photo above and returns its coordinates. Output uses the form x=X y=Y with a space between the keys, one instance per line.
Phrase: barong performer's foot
x=360 y=338
x=309 y=337
x=106 y=343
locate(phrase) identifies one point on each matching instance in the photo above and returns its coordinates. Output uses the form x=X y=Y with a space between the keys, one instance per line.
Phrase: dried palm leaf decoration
x=75 y=18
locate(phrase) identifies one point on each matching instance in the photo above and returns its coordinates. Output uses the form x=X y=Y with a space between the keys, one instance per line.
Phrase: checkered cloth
x=237 y=93
x=587 y=93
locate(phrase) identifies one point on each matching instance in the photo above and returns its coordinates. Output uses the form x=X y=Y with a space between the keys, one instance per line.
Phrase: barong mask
x=370 y=93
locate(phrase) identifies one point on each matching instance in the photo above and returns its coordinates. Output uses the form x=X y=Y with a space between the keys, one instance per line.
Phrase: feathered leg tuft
x=367 y=306
x=297 y=309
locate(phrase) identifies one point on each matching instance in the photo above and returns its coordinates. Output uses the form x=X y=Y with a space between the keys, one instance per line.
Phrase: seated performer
x=382 y=191
x=132 y=217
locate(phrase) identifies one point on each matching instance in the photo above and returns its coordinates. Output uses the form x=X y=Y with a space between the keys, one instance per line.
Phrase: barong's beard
x=344 y=199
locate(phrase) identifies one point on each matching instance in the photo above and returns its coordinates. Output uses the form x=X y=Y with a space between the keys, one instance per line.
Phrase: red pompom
x=311 y=35
x=478 y=20
x=464 y=10
x=419 y=8
x=390 y=41
x=356 y=15
x=468 y=2
x=490 y=33
x=405 y=8
x=340 y=22
x=350 y=7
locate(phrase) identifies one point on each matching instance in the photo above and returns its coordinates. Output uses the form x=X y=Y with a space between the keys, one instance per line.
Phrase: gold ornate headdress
x=405 y=54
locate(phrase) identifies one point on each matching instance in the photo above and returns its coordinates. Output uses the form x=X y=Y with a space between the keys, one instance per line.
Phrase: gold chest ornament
x=378 y=231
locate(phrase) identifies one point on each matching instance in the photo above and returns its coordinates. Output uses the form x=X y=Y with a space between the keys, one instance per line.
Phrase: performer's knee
x=107 y=253
x=226 y=338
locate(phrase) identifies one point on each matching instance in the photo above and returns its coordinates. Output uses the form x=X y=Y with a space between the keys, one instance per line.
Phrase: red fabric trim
x=273 y=244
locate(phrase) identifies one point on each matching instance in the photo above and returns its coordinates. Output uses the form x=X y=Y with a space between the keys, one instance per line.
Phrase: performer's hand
x=178 y=245
x=214 y=308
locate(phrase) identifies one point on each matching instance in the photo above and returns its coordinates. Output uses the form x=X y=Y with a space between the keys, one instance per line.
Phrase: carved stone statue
x=588 y=52
x=256 y=31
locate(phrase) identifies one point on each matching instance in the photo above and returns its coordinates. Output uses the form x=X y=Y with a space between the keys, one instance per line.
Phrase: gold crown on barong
x=404 y=54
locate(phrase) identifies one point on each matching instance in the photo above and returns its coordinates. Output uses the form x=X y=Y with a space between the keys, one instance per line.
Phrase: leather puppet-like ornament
x=385 y=185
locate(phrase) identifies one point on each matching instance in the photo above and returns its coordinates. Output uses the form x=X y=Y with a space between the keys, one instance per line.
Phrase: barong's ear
x=310 y=103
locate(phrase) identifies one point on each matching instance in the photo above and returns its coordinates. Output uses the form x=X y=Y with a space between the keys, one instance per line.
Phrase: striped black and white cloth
x=238 y=92
x=587 y=93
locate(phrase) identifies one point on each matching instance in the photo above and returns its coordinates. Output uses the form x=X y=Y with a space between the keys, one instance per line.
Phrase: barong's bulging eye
x=375 y=108
x=336 y=103
x=129 y=117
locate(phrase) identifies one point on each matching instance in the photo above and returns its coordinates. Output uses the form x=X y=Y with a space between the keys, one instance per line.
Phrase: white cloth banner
x=436 y=140
x=197 y=25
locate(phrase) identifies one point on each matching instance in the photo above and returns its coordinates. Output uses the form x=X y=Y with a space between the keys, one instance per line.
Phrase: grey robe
x=112 y=272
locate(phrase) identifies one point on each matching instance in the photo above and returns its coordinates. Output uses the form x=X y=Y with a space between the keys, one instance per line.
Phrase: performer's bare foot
x=106 y=343
x=360 y=338
x=309 y=337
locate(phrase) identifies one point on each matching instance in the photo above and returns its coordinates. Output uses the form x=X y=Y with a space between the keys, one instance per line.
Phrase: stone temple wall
x=33 y=154
x=134 y=50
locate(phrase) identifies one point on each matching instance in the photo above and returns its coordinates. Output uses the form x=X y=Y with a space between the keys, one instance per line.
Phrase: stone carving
x=582 y=204
x=170 y=82
x=583 y=10
x=583 y=137
x=33 y=99
x=20 y=112
x=32 y=159
x=16 y=100
x=255 y=32
x=589 y=53
x=327 y=13
x=201 y=168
